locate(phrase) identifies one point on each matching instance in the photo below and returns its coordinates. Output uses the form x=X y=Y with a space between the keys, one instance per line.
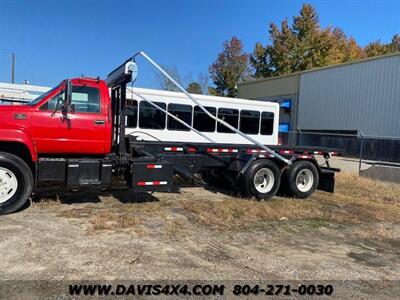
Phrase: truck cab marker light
x=144 y=183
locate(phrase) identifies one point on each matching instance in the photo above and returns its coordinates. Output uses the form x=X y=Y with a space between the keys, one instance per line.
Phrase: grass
x=109 y=221
x=379 y=232
x=231 y=213
x=356 y=200
x=360 y=199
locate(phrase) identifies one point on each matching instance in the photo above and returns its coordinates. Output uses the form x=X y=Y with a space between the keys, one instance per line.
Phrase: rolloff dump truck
x=76 y=136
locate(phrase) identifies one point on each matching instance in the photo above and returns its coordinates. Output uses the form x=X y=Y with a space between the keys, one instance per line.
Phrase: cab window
x=51 y=104
x=85 y=99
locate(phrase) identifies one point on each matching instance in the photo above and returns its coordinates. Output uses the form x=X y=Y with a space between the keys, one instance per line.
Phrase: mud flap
x=326 y=180
x=150 y=175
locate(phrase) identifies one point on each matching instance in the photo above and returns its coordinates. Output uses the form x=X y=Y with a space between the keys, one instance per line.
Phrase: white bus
x=258 y=119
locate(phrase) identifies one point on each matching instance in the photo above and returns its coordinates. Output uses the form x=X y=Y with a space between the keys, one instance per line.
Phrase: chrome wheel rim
x=304 y=180
x=8 y=184
x=264 y=180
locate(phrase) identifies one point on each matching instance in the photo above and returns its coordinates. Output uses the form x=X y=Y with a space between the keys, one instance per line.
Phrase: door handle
x=99 y=122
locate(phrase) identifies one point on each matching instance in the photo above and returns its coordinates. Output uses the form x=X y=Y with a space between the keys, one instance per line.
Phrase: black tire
x=250 y=179
x=24 y=177
x=290 y=177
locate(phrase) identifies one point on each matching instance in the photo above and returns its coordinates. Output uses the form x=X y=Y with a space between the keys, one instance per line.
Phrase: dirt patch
x=198 y=234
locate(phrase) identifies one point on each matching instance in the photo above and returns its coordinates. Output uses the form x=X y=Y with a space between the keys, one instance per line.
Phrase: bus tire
x=301 y=179
x=262 y=180
x=16 y=183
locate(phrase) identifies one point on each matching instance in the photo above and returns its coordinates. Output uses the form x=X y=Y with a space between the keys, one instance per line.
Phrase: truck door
x=82 y=132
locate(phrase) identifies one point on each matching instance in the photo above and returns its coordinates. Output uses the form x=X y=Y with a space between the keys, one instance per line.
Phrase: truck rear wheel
x=262 y=180
x=16 y=183
x=301 y=179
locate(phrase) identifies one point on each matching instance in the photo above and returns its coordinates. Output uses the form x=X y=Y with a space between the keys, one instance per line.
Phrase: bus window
x=151 y=117
x=201 y=121
x=131 y=111
x=183 y=112
x=249 y=121
x=229 y=115
x=267 y=123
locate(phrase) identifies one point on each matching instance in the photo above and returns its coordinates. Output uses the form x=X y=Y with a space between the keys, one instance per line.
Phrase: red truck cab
x=84 y=129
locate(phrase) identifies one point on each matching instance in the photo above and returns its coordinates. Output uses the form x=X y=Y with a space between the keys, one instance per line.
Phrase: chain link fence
x=374 y=150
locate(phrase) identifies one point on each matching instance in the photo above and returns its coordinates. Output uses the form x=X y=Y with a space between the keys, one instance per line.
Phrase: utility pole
x=12 y=67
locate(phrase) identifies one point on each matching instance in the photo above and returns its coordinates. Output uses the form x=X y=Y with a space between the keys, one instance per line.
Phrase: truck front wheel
x=16 y=183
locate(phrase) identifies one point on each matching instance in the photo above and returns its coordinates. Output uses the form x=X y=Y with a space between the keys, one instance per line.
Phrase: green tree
x=302 y=46
x=309 y=46
x=194 y=88
x=230 y=67
x=282 y=52
x=260 y=61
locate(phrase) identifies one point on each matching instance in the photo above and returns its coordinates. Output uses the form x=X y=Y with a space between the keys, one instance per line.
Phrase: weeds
x=109 y=221
x=356 y=200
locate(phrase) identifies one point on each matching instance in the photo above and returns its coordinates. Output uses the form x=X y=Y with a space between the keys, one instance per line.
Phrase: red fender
x=19 y=136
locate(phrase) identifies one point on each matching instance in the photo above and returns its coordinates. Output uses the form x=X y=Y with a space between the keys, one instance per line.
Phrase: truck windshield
x=41 y=97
